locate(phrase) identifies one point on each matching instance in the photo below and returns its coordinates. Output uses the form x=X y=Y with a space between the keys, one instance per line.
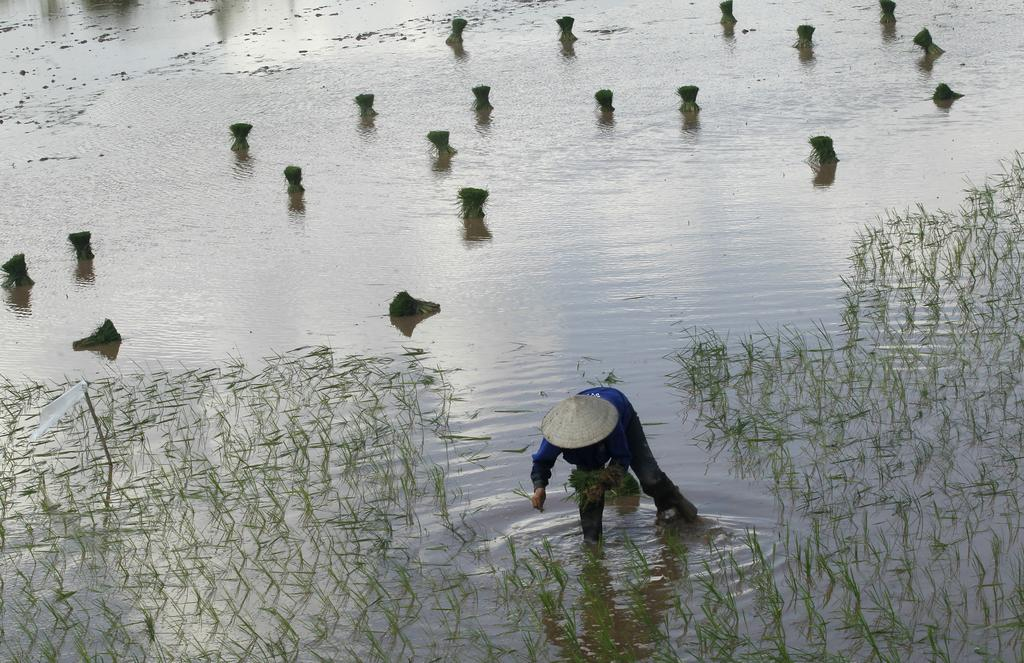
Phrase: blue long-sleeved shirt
x=615 y=447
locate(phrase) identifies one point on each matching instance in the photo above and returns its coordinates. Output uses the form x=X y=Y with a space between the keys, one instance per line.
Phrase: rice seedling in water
x=889 y=440
x=688 y=93
x=439 y=139
x=403 y=304
x=943 y=93
x=16 y=272
x=565 y=28
x=482 y=94
x=804 y=37
x=293 y=174
x=82 y=241
x=472 y=202
x=822 y=152
x=727 y=18
x=888 y=11
x=365 y=103
x=604 y=100
x=240 y=133
x=458 y=25
x=924 y=40
x=104 y=334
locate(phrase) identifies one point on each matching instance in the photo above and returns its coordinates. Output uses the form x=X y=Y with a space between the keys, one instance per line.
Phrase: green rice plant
x=924 y=40
x=403 y=304
x=293 y=174
x=240 y=133
x=482 y=94
x=16 y=272
x=458 y=25
x=688 y=93
x=104 y=334
x=604 y=100
x=365 y=103
x=590 y=485
x=727 y=17
x=565 y=28
x=822 y=152
x=804 y=37
x=82 y=241
x=888 y=11
x=439 y=139
x=472 y=202
x=944 y=93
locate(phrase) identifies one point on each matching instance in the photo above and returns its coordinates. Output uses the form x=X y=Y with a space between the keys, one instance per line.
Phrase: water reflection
x=613 y=624
x=925 y=63
x=110 y=7
x=84 y=273
x=107 y=350
x=483 y=120
x=888 y=33
x=442 y=163
x=223 y=15
x=606 y=120
x=460 y=53
x=824 y=175
x=407 y=323
x=806 y=56
x=729 y=34
x=475 y=231
x=367 y=127
x=296 y=204
x=19 y=300
x=242 y=166
x=567 y=50
x=691 y=123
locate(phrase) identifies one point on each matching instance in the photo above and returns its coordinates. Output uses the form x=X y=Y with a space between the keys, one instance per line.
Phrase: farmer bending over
x=599 y=430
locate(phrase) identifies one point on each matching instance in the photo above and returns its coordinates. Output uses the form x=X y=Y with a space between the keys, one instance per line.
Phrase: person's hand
x=539 y=495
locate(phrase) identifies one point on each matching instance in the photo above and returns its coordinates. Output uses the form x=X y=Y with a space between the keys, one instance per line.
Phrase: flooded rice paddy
x=858 y=470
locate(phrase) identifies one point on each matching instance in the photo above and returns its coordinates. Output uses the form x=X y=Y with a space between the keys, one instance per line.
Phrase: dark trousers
x=652 y=480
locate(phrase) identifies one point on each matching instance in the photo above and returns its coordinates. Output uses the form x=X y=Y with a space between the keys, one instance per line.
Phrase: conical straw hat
x=579 y=421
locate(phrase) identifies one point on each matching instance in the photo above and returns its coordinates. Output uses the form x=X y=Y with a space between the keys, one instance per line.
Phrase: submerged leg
x=590 y=520
x=670 y=502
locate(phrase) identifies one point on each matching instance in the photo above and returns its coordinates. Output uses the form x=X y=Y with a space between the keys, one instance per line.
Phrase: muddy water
x=604 y=237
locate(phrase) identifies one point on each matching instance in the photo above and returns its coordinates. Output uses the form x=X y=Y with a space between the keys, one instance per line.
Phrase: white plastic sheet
x=57 y=408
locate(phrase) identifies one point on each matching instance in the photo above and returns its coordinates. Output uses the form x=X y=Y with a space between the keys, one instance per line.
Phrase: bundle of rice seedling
x=924 y=40
x=365 y=103
x=294 y=176
x=888 y=11
x=727 y=17
x=82 y=241
x=804 y=36
x=565 y=25
x=822 y=152
x=439 y=139
x=688 y=93
x=16 y=272
x=590 y=485
x=458 y=25
x=944 y=93
x=604 y=100
x=472 y=201
x=240 y=132
x=403 y=304
x=482 y=94
x=104 y=334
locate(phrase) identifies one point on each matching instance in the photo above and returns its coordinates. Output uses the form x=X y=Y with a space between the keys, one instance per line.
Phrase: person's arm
x=543 y=461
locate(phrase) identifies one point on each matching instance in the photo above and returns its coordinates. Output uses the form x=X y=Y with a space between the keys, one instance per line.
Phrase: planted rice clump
x=565 y=24
x=590 y=485
x=403 y=304
x=804 y=36
x=604 y=100
x=727 y=17
x=472 y=201
x=688 y=93
x=294 y=176
x=888 y=11
x=822 y=152
x=365 y=103
x=483 y=100
x=439 y=139
x=924 y=40
x=944 y=93
x=240 y=131
x=15 y=272
x=458 y=25
x=104 y=334
x=82 y=243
